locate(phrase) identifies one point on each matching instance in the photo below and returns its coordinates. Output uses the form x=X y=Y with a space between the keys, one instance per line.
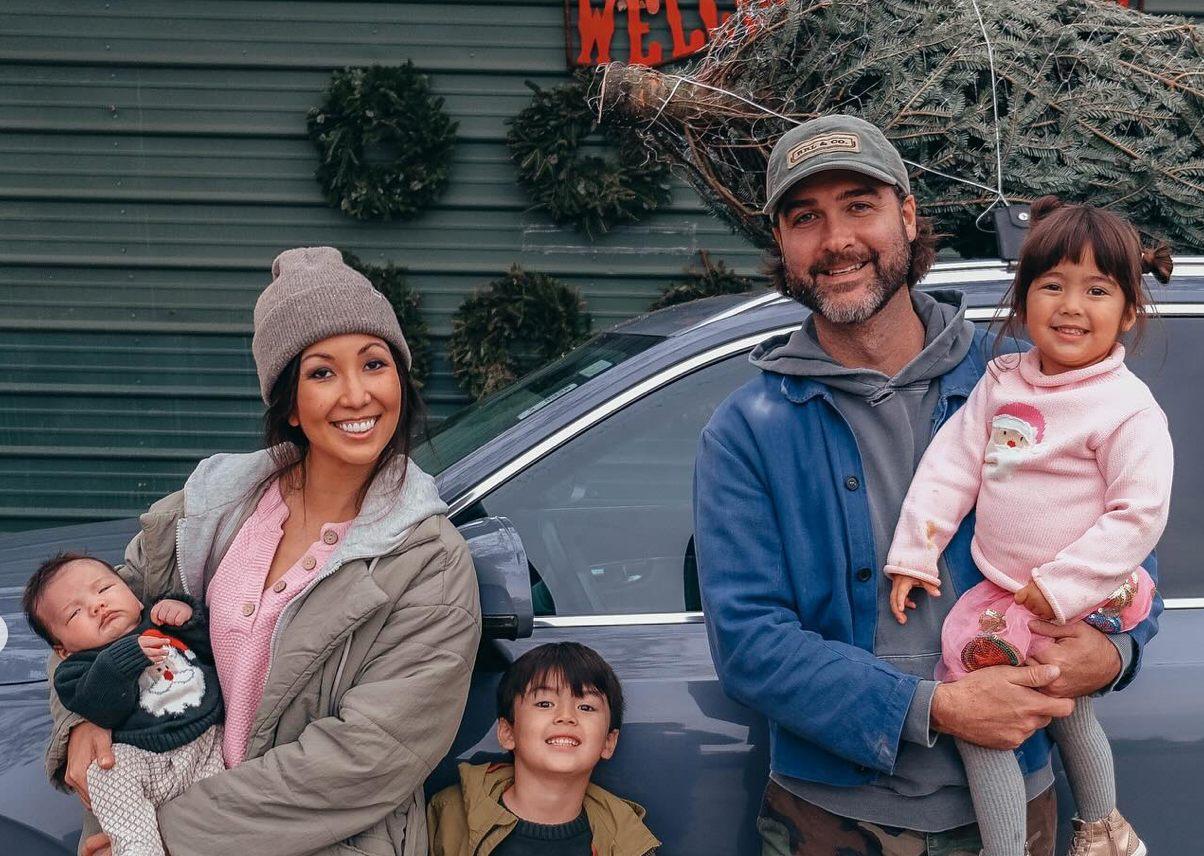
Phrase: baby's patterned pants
x=125 y=797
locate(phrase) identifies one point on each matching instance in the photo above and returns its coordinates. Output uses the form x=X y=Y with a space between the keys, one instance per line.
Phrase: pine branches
x=1096 y=103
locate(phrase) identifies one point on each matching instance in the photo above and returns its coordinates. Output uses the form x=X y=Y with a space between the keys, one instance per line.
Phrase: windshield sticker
x=595 y=368
x=544 y=402
x=3 y=633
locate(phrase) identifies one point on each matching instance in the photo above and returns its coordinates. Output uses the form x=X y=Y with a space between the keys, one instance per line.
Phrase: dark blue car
x=573 y=487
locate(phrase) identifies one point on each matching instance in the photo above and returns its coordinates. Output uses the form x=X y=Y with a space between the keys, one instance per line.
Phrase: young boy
x=156 y=689
x=559 y=711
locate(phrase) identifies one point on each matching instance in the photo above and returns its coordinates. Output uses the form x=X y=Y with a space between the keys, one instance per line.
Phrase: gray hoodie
x=892 y=421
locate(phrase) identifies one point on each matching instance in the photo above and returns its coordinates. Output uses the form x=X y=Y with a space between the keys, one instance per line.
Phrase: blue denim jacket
x=789 y=581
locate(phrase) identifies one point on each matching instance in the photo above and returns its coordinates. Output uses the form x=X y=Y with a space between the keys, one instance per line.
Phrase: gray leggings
x=997 y=787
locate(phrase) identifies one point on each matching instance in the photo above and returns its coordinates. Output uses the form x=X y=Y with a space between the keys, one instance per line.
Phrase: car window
x=1168 y=359
x=607 y=519
x=475 y=425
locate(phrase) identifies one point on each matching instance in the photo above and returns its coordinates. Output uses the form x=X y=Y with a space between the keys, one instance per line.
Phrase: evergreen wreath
x=390 y=280
x=384 y=142
x=715 y=278
x=514 y=325
x=588 y=192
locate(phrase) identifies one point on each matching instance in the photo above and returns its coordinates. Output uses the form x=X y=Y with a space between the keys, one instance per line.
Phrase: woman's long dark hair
x=289 y=446
x=1061 y=231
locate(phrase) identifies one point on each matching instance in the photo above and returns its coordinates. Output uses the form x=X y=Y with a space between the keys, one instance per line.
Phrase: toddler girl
x=1067 y=460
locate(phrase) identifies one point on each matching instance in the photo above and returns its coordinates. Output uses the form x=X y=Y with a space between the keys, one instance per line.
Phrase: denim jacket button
x=852 y=483
x=864 y=574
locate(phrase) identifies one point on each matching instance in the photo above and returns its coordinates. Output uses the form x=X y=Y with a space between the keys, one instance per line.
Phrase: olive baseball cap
x=831 y=142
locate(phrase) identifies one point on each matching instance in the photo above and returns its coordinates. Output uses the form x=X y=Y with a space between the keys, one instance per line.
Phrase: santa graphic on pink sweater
x=1016 y=428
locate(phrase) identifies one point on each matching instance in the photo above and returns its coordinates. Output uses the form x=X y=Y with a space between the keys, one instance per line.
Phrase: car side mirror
x=502 y=576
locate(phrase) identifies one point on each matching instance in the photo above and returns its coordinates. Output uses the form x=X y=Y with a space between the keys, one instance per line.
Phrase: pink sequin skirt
x=986 y=627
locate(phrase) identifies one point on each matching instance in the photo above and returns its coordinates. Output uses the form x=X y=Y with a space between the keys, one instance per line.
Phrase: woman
x=343 y=604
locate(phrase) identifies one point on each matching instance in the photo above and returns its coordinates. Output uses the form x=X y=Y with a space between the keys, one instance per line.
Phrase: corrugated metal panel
x=153 y=160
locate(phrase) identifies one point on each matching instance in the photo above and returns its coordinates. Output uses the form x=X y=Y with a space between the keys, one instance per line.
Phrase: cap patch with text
x=824 y=143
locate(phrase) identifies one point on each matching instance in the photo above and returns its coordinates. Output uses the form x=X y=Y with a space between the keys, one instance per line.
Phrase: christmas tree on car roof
x=1091 y=101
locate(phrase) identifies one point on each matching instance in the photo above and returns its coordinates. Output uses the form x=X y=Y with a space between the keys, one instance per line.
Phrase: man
x=800 y=477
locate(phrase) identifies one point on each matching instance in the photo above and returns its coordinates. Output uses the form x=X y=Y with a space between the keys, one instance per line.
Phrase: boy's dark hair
x=572 y=663
x=41 y=578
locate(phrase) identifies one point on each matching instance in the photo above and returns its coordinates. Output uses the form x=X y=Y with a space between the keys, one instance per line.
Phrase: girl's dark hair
x=923 y=254
x=289 y=446
x=581 y=668
x=1060 y=231
x=36 y=587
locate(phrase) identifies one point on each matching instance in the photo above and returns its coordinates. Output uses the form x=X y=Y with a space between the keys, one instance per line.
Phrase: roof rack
x=942 y=273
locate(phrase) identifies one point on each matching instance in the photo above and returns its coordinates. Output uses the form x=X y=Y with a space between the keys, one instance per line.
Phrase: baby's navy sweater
x=157 y=708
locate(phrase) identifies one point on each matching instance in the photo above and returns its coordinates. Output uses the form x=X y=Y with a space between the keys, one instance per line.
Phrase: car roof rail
x=949 y=272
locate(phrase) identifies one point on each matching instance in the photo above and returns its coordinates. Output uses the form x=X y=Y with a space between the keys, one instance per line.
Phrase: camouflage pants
x=791 y=827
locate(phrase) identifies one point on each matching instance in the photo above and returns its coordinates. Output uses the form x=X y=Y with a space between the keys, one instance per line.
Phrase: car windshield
x=476 y=425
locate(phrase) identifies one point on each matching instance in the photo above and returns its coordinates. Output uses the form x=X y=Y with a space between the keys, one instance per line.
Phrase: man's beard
x=890 y=274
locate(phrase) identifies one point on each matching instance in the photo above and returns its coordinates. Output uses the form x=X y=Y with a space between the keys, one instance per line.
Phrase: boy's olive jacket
x=368 y=679
x=469 y=819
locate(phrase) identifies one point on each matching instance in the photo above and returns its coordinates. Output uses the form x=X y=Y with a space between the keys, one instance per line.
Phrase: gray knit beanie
x=313 y=296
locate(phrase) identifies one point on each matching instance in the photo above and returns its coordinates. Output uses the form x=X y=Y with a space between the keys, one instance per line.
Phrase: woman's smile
x=359 y=428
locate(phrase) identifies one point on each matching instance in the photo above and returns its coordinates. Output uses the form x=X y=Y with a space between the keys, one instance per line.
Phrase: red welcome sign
x=642 y=32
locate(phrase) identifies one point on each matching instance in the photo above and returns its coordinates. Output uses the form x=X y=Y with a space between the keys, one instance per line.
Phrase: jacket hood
x=386 y=517
x=617 y=824
x=947 y=336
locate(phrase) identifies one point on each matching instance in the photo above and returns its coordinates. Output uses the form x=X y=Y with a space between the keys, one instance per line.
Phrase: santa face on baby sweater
x=1016 y=429
x=174 y=685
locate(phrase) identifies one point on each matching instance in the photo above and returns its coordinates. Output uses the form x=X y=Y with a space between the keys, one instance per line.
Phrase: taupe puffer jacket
x=368 y=679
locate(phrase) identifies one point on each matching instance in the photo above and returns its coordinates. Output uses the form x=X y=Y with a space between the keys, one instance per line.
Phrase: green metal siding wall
x=153 y=161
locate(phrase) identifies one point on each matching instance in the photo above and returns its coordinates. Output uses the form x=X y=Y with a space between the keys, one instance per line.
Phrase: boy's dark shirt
x=537 y=839
x=101 y=685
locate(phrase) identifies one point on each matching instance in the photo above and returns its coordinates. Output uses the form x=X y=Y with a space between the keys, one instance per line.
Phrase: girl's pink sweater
x=1069 y=476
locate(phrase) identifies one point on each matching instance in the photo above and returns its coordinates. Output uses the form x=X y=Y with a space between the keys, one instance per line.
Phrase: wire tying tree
x=1090 y=101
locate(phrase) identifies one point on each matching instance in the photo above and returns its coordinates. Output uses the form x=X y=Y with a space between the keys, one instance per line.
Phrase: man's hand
x=1088 y=661
x=1034 y=600
x=87 y=743
x=999 y=707
x=900 y=589
x=171 y=613
x=156 y=648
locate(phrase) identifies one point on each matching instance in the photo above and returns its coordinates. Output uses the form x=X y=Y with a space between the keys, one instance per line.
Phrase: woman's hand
x=98 y=845
x=87 y=743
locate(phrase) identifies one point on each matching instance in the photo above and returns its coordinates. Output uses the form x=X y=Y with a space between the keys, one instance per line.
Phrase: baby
x=145 y=673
